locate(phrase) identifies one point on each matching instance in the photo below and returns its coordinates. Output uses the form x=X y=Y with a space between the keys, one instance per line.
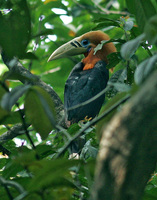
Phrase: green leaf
x=131 y=5
x=116 y=80
x=103 y=19
x=150 y=194
x=3 y=112
x=144 y=69
x=10 y=98
x=129 y=48
x=2 y=92
x=44 y=150
x=40 y=110
x=73 y=129
x=120 y=87
x=113 y=59
x=151 y=30
x=15 y=29
x=44 y=32
x=128 y=25
x=142 y=9
x=10 y=146
x=105 y=22
x=48 y=173
x=100 y=45
x=88 y=151
x=12 y=118
x=29 y=55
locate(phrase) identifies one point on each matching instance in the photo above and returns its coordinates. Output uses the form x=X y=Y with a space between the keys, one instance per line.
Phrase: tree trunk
x=128 y=148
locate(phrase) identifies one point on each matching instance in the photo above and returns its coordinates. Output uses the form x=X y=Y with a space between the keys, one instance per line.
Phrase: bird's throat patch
x=90 y=61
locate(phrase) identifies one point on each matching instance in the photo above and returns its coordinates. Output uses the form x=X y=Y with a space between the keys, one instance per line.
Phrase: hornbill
x=88 y=77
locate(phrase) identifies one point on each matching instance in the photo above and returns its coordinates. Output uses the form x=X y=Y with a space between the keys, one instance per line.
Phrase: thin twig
x=7 y=183
x=147 y=49
x=26 y=131
x=106 y=11
x=8 y=192
x=109 y=4
x=100 y=9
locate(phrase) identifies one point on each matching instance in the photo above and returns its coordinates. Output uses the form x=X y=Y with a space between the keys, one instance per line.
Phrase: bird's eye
x=85 y=42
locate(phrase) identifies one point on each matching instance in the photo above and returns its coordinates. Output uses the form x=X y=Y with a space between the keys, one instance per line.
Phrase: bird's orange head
x=85 y=44
x=94 y=38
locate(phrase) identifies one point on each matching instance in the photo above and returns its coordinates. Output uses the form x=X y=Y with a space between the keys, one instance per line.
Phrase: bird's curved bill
x=71 y=48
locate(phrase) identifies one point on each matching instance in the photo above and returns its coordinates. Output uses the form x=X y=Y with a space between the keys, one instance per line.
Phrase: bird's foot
x=86 y=119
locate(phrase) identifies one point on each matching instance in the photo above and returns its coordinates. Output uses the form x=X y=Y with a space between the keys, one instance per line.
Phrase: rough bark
x=128 y=148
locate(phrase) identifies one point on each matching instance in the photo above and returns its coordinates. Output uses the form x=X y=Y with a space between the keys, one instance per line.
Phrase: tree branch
x=18 y=129
x=128 y=152
x=18 y=71
x=89 y=124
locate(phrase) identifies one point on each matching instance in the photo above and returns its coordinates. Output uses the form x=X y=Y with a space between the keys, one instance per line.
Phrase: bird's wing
x=83 y=85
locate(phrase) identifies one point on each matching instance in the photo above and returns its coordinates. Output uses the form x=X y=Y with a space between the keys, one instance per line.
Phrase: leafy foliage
x=31 y=31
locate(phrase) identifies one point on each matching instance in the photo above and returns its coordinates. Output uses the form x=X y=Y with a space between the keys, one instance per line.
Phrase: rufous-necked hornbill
x=88 y=77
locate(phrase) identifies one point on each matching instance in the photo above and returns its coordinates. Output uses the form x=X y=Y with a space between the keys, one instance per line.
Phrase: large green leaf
x=40 y=110
x=129 y=48
x=48 y=173
x=15 y=29
x=142 y=9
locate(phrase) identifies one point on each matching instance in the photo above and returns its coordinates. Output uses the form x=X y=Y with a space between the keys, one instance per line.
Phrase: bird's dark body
x=82 y=85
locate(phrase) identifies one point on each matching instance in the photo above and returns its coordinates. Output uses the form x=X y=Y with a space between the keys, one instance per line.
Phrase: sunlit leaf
x=47 y=1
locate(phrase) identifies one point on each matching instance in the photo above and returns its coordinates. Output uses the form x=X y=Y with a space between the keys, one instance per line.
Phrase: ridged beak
x=71 y=48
